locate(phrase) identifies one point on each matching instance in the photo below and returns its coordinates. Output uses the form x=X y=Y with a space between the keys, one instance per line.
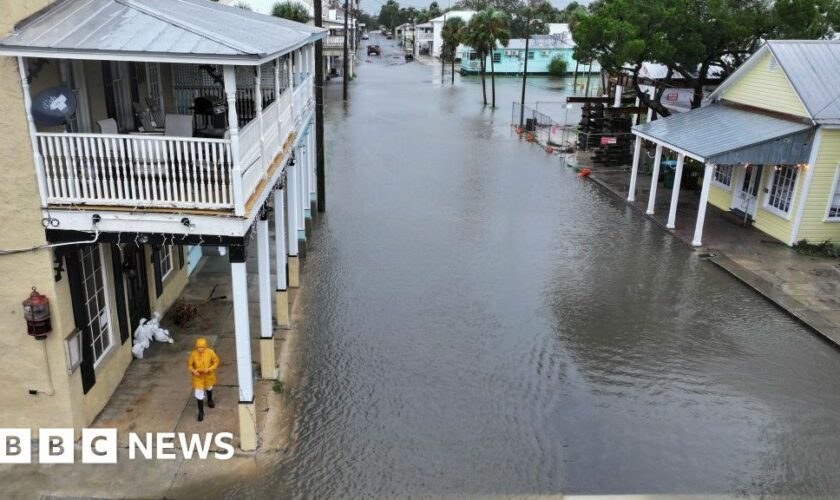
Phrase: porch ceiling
x=723 y=135
x=155 y=30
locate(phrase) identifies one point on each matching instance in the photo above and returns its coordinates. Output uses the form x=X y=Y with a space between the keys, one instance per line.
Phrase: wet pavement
x=476 y=320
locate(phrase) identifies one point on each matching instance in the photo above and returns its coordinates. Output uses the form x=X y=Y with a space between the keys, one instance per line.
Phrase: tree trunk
x=483 y=78
x=654 y=103
x=453 y=71
x=493 y=78
x=697 y=99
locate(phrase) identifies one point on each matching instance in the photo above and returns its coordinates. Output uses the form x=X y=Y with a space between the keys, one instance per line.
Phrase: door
x=136 y=284
x=746 y=197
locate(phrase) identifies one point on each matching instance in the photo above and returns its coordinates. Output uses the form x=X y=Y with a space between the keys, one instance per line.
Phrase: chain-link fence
x=546 y=130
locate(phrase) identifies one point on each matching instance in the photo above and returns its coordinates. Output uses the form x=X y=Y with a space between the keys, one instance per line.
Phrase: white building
x=437 y=30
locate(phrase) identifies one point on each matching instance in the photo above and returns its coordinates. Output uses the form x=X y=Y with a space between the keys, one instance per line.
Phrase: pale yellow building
x=133 y=131
x=770 y=143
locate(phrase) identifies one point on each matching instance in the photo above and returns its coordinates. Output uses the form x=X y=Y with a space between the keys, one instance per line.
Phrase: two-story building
x=132 y=129
x=769 y=142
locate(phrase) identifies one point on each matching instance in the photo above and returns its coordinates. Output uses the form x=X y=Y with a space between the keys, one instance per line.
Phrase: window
x=723 y=176
x=530 y=54
x=497 y=57
x=165 y=256
x=782 y=183
x=96 y=301
x=834 y=200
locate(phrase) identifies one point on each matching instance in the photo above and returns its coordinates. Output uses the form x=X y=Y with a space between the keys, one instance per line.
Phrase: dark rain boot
x=210 y=402
x=200 y=410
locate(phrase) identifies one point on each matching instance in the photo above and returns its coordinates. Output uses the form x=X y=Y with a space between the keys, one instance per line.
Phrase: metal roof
x=559 y=41
x=156 y=30
x=813 y=68
x=725 y=135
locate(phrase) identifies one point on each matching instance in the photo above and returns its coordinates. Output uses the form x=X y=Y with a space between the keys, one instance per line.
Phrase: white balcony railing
x=137 y=170
x=155 y=171
x=334 y=42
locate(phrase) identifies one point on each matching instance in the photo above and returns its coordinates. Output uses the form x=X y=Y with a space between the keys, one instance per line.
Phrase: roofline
x=161 y=57
x=667 y=144
x=749 y=63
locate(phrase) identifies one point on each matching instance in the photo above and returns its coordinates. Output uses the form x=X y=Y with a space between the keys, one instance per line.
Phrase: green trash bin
x=668 y=172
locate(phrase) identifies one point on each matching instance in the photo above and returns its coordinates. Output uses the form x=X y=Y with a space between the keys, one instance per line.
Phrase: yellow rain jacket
x=205 y=362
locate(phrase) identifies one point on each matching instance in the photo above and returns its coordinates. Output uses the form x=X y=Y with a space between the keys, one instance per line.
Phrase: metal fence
x=547 y=131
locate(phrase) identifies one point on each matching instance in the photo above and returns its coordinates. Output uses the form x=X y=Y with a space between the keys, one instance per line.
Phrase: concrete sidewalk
x=806 y=287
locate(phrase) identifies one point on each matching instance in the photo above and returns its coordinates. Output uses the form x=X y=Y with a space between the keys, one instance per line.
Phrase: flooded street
x=480 y=321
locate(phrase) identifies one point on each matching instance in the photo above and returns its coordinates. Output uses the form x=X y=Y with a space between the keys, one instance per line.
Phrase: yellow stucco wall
x=766 y=86
x=813 y=227
x=22 y=363
x=173 y=284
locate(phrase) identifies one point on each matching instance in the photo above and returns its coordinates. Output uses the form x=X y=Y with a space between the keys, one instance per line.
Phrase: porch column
x=291 y=188
x=675 y=194
x=634 y=173
x=245 y=377
x=301 y=179
x=708 y=173
x=313 y=185
x=27 y=103
x=281 y=295
x=654 y=180
x=268 y=363
x=291 y=89
x=233 y=128
x=307 y=197
x=258 y=106
x=617 y=102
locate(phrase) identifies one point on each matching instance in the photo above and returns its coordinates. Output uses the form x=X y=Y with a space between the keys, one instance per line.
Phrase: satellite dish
x=54 y=106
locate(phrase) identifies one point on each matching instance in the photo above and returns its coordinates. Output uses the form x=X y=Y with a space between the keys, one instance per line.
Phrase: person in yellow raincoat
x=202 y=365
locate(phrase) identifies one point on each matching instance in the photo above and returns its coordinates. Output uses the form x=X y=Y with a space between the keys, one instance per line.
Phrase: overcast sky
x=372 y=6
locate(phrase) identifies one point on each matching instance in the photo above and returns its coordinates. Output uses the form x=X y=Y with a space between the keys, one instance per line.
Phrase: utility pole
x=525 y=71
x=346 y=51
x=319 y=111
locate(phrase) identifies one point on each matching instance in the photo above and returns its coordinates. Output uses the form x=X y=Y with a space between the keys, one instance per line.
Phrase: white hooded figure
x=159 y=334
x=142 y=338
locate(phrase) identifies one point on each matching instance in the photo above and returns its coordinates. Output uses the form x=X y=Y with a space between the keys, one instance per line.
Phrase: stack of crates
x=591 y=125
x=620 y=153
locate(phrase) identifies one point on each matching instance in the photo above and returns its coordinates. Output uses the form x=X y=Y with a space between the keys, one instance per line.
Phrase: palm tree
x=291 y=10
x=497 y=26
x=453 y=34
x=476 y=37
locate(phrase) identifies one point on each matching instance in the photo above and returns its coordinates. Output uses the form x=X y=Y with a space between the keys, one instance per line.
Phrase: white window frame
x=166 y=261
x=104 y=309
x=718 y=183
x=769 y=187
x=835 y=192
x=496 y=57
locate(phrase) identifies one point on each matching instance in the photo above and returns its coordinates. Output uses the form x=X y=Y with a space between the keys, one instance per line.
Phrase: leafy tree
x=434 y=10
x=805 y=19
x=291 y=10
x=389 y=14
x=452 y=34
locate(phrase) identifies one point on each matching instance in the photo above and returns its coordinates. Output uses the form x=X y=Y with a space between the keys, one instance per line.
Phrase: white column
x=313 y=167
x=617 y=101
x=291 y=88
x=27 y=103
x=634 y=173
x=291 y=190
x=301 y=178
x=280 y=239
x=675 y=194
x=649 y=115
x=268 y=361
x=654 y=180
x=233 y=128
x=247 y=415
x=258 y=106
x=292 y=202
x=709 y=171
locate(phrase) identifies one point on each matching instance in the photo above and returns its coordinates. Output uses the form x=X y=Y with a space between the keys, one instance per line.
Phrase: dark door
x=136 y=285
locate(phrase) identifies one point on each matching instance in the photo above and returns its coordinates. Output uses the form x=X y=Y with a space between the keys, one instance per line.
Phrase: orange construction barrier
x=584 y=172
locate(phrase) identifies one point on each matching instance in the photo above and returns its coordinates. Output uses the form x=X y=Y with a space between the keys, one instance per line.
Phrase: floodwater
x=482 y=322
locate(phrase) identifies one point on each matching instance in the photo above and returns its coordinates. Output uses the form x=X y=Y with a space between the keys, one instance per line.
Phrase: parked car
x=365 y=36
x=390 y=36
x=409 y=57
x=374 y=49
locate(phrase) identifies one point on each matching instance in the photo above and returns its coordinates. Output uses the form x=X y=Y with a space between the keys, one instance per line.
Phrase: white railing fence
x=142 y=171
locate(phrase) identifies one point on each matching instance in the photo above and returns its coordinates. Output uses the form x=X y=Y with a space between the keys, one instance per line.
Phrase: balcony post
x=242 y=334
x=268 y=361
x=233 y=128
x=290 y=67
x=39 y=161
x=281 y=296
x=277 y=99
x=259 y=108
x=675 y=194
x=291 y=188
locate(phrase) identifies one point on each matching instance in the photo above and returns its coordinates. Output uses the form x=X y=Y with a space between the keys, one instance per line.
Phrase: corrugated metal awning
x=156 y=30
x=724 y=135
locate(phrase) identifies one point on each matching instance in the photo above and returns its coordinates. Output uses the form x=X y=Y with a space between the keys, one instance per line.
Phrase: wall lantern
x=36 y=311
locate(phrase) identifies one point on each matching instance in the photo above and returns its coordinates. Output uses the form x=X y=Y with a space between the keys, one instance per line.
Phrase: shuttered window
x=834 y=201
x=96 y=301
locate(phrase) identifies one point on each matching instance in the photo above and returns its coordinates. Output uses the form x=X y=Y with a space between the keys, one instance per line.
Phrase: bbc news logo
x=99 y=446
